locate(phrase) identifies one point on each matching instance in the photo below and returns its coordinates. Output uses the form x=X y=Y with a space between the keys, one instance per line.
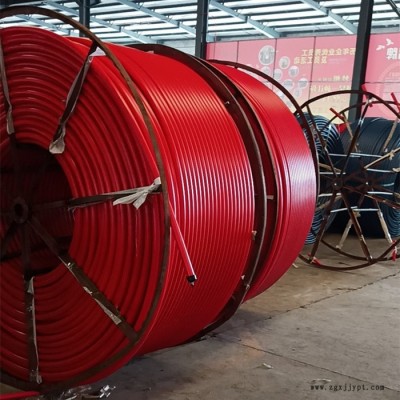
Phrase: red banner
x=334 y=58
x=383 y=70
x=259 y=54
x=210 y=51
x=308 y=67
x=293 y=66
x=226 y=51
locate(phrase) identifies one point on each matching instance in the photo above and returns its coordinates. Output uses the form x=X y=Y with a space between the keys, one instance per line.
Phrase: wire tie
x=140 y=196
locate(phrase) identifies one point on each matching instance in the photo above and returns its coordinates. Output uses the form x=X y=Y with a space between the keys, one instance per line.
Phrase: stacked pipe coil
x=378 y=137
x=328 y=151
x=291 y=161
x=87 y=280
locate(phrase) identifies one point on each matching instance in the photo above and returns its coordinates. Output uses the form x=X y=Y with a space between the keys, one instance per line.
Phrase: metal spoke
x=323 y=225
x=371 y=195
x=357 y=228
x=87 y=201
x=327 y=155
x=383 y=223
x=354 y=140
x=389 y=155
x=33 y=356
x=85 y=282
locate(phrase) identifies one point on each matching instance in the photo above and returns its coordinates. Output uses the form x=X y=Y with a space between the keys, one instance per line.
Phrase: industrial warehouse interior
x=199 y=199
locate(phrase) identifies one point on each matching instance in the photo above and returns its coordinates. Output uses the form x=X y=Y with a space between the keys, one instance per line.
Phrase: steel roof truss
x=265 y=30
x=337 y=19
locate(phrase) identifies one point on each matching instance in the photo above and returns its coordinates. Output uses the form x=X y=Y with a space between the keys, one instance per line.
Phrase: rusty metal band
x=374 y=99
x=33 y=356
x=390 y=136
x=382 y=257
x=354 y=140
x=57 y=146
x=87 y=201
x=6 y=93
x=86 y=283
x=29 y=298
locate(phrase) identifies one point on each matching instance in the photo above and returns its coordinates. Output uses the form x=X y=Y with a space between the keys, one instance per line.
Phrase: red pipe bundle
x=87 y=284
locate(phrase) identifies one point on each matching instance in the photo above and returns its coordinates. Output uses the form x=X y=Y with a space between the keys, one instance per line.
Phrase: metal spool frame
x=336 y=185
x=22 y=218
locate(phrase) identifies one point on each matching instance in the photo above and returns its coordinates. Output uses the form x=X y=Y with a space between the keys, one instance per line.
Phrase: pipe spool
x=215 y=165
x=355 y=178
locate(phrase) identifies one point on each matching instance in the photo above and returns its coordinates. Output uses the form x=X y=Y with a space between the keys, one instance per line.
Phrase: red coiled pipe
x=126 y=254
x=294 y=187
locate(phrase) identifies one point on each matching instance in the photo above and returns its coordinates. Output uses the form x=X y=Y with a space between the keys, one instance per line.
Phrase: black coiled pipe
x=377 y=137
x=332 y=146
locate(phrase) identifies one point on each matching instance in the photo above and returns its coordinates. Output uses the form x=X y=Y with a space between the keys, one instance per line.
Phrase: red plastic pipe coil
x=57 y=332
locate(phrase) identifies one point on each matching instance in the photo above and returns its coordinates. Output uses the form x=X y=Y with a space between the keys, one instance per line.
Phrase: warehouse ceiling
x=149 y=21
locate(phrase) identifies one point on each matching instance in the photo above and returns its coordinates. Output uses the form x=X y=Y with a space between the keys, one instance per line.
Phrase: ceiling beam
x=45 y=24
x=337 y=19
x=162 y=17
x=264 y=29
x=117 y=28
x=395 y=8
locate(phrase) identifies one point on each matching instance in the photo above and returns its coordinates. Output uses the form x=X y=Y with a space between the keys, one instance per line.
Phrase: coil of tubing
x=377 y=138
x=329 y=150
x=230 y=216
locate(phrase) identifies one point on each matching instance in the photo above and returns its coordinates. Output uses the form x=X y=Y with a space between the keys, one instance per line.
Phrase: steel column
x=201 y=28
x=84 y=13
x=361 y=57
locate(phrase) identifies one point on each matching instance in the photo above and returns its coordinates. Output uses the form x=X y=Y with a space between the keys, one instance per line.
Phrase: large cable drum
x=364 y=179
x=133 y=204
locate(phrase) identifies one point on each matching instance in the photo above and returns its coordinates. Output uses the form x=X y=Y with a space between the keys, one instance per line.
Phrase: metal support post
x=201 y=28
x=361 y=57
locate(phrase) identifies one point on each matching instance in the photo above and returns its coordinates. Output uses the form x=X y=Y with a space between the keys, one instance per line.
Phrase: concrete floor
x=313 y=327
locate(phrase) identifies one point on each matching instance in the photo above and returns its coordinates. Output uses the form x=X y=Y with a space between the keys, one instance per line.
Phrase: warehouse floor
x=316 y=334
x=313 y=327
